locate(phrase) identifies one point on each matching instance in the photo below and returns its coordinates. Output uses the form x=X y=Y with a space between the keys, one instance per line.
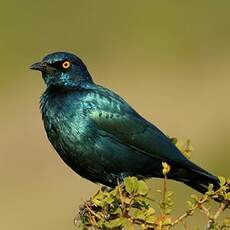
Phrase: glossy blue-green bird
x=100 y=136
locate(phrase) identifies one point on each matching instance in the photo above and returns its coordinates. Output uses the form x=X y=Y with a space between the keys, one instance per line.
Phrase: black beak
x=38 y=66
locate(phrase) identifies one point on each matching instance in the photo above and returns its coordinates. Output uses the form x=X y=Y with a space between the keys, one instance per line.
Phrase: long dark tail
x=202 y=182
x=196 y=177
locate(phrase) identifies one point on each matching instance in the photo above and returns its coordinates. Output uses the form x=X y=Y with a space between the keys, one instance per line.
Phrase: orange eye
x=66 y=64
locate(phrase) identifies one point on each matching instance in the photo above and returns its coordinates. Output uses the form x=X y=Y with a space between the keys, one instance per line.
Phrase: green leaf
x=210 y=191
x=167 y=221
x=169 y=193
x=100 y=223
x=130 y=184
x=117 y=211
x=210 y=187
x=114 y=223
x=228 y=180
x=227 y=222
x=170 y=203
x=151 y=219
x=139 y=214
x=142 y=188
x=222 y=180
x=168 y=211
x=98 y=198
x=195 y=197
x=127 y=200
x=109 y=200
x=150 y=211
x=189 y=203
x=81 y=226
x=227 y=196
x=128 y=225
x=141 y=201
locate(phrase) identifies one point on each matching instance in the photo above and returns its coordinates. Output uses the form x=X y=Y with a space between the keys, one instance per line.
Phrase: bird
x=100 y=136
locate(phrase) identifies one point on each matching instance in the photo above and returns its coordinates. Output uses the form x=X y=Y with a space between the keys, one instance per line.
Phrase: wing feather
x=114 y=116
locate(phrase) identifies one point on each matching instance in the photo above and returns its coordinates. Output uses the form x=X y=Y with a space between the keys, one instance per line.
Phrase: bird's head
x=62 y=69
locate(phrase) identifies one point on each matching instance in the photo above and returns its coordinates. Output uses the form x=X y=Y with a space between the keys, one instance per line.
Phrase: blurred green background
x=169 y=59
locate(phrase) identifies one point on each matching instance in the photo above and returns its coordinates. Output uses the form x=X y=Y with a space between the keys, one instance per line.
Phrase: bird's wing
x=114 y=116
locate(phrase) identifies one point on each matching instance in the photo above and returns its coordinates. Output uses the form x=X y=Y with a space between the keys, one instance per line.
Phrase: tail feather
x=197 y=178
x=200 y=182
x=202 y=186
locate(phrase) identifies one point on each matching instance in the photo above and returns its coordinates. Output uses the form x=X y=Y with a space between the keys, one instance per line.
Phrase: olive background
x=168 y=59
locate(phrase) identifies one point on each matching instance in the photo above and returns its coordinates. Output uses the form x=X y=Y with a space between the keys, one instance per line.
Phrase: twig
x=205 y=210
x=223 y=206
x=184 y=224
x=120 y=194
x=212 y=220
x=92 y=212
x=190 y=211
x=186 y=214
x=164 y=189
